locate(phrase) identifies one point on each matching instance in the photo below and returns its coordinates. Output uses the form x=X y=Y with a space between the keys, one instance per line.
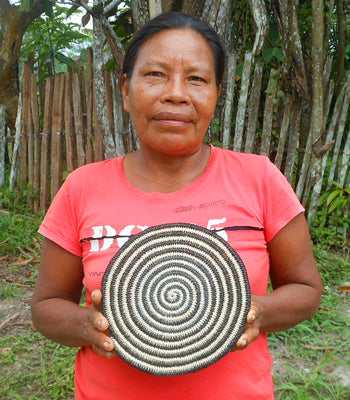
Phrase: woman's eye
x=197 y=79
x=155 y=73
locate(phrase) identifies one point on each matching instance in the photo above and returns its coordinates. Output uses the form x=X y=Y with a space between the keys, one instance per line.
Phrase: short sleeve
x=281 y=204
x=61 y=221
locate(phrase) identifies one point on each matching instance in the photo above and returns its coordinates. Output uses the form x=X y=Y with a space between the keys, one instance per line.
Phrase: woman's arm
x=295 y=280
x=55 y=304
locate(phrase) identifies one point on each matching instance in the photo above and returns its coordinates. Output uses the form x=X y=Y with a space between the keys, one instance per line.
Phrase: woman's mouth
x=172 y=118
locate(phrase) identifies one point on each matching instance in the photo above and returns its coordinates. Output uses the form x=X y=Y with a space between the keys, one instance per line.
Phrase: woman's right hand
x=96 y=326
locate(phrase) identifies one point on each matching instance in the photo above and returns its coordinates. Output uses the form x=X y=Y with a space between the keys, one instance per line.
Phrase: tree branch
x=111 y=6
x=81 y=4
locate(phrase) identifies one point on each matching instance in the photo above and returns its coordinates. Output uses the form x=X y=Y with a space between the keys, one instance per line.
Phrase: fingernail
x=251 y=316
x=106 y=345
x=243 y=342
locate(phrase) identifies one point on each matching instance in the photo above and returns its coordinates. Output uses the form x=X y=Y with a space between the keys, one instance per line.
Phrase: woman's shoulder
x=94 y=170
x=248 y=159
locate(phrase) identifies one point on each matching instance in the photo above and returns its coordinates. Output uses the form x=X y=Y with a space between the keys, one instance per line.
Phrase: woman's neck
x=151 y=172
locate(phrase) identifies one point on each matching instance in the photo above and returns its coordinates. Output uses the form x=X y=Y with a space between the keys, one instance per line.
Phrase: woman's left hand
x=252 y=328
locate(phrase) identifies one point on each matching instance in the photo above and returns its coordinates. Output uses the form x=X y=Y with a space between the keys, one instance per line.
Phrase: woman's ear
x=218 y=91
x=125 y=92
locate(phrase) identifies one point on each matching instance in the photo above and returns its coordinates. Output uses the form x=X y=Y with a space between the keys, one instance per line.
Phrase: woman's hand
x=55 y=304
x=96 y=328
x=252 y=328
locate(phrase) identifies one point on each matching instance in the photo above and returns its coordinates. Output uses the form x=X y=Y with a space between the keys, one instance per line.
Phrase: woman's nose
x=176 y=91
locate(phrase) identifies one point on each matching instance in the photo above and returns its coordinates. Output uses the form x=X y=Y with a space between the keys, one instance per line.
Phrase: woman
x=171 y=81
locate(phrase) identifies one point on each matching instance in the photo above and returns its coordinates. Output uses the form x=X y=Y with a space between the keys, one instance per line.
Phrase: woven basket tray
x=176 y=297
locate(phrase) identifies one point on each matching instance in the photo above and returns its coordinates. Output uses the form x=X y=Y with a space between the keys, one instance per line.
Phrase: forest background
x=286 y=95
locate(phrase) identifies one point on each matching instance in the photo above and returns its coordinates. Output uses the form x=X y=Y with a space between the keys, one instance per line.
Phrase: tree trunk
x=317 y=124
x=13 y=24
x=101 y=107
x=287 y=19
x=340 y=131
x=231 y=73
x=341 y=41
x=253 y=110
x=242 y=103
x=261 y=24
x=140 y=13
x=16 y=145
x=2 y=145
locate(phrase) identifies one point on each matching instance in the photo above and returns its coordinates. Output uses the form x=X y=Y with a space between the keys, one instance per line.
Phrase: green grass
x=18 y=230
x=317 y=348
x=307 y=356
x=32 y=367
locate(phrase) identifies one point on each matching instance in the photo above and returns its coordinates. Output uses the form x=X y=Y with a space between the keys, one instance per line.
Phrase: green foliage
x=327 y=230
x=335 y=198
x=54 y=41
x=13 y=200
x=331 y=224
x=269 y=53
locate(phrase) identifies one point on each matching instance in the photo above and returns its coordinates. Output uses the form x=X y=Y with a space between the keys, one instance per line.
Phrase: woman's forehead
x=175 y=44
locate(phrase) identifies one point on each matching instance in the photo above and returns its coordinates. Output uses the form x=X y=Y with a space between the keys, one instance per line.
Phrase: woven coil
x=176 y=297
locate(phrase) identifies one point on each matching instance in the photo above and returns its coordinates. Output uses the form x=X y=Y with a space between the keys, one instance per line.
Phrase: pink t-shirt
x=236 y=189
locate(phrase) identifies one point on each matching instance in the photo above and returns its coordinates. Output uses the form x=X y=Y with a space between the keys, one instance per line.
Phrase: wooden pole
x=45 y=142
x=89 y=110
x=68 y=122
x=57 y=128
x=78 y=119
x=36 y=142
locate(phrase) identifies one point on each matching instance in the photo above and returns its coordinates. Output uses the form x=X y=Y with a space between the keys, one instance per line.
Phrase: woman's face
x=172 y=93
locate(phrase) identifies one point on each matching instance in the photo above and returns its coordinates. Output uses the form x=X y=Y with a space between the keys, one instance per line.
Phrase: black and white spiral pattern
x=176 y=297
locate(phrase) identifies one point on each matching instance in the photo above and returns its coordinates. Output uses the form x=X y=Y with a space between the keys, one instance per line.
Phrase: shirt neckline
x=158 y=195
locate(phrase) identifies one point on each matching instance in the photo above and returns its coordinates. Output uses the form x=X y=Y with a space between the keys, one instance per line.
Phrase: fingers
x=96 y=297
x=97 y=326
x=251 y=316
x=251 y=330
x=104 y=347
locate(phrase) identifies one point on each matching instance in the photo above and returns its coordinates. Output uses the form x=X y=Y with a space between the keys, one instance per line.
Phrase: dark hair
x=175 y=20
